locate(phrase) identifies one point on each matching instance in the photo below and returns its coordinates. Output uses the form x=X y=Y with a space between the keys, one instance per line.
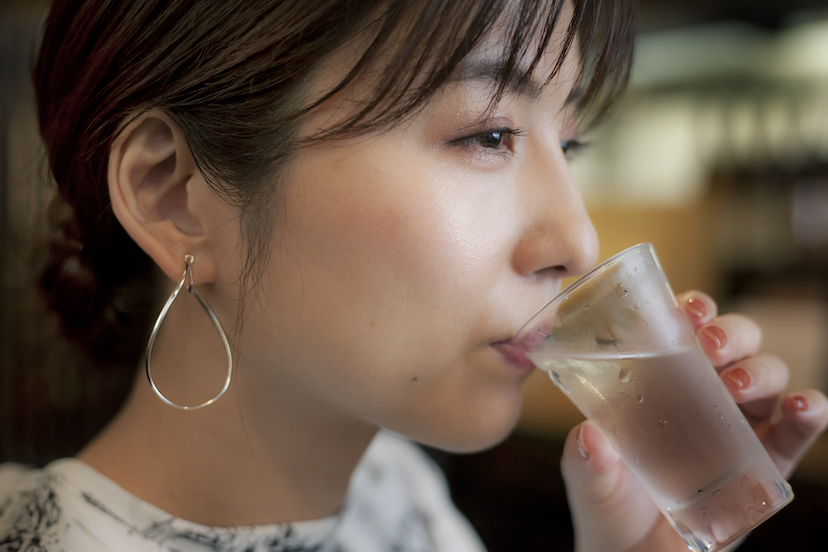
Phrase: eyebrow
x=491 y=72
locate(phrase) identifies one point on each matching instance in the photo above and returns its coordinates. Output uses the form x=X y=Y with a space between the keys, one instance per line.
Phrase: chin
x=489 y=427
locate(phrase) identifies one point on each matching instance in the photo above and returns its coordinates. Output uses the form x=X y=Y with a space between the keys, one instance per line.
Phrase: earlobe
x=152 y=178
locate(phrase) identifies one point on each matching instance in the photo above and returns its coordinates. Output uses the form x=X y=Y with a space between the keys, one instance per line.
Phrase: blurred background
x=718 y=155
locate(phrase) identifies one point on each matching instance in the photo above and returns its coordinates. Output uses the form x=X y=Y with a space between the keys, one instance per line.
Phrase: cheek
x=380 y=301
x=385 y=265
x=393 y=235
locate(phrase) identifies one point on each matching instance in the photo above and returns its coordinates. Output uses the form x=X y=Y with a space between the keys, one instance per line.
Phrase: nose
x=558 y=238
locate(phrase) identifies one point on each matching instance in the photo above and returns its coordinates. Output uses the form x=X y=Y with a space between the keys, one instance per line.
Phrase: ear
x=160 y=197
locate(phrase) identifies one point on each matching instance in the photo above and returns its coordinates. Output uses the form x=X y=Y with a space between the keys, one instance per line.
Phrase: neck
x=228 y=465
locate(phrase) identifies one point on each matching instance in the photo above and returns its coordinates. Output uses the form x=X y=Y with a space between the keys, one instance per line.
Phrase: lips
x=515 y=354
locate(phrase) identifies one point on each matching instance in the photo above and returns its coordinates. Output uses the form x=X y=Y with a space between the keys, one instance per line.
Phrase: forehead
x=511 y=55
x=527 y=76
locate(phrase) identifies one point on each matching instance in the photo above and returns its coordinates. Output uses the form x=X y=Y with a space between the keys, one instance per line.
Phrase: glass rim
x=583 y=278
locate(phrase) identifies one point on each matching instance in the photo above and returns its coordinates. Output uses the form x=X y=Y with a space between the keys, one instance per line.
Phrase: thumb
x=590 y=466
x=609 y=509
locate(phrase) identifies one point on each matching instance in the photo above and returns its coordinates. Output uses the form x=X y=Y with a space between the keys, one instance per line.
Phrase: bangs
x=417 y=47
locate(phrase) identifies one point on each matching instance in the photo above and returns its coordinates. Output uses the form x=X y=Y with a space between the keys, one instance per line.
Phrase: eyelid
x=468 y=139
x=573 y=147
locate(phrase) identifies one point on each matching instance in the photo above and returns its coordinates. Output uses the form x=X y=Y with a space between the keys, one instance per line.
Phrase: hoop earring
x=188 y=275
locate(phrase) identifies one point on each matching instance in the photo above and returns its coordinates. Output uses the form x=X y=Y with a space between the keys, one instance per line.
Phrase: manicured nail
x=739 y=377
x=800 y=403
x=579 y=440
x=716 y=335
x=696 y=307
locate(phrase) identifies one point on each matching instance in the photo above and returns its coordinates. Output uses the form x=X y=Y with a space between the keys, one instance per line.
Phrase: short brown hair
x=234 y=76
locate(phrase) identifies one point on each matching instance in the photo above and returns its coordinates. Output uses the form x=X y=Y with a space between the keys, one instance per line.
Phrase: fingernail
x=739 y=377
x=696 y=307
x=716 y=335
x=579 y=440
x=800 y=403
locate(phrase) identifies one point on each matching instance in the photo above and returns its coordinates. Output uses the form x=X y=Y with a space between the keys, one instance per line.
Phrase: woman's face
x=407 y=259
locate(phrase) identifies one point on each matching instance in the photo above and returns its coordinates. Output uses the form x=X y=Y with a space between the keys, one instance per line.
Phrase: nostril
x=551 y=273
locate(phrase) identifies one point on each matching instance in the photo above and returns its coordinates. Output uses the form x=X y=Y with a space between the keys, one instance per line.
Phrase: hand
x=612 y=512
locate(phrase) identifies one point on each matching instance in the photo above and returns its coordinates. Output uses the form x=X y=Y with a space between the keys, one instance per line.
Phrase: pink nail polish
x=739 y=377
x=696 y=307
x=800 y=403
x=579 y=440
x=716 y=335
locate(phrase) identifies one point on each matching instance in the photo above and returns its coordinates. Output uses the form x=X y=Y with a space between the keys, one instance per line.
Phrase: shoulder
x=399 y=497
x=32 y=489
x=10 y=475
x=30 y=515
x=48 y=509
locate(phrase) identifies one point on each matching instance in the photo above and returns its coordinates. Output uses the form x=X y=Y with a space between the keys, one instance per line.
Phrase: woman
x=371 y=198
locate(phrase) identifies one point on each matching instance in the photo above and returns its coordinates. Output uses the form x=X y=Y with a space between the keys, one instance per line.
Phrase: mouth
x=515 y=354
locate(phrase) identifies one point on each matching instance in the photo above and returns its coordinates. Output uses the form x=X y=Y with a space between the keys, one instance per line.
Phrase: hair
x=235 y=77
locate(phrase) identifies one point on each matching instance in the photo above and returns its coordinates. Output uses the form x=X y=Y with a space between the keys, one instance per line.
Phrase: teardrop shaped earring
x=188 y=275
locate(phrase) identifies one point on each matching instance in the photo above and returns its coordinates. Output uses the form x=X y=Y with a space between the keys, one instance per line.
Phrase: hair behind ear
x=103 y=293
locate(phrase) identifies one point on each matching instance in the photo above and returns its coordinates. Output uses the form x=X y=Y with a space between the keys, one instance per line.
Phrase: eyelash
x=477 y=139
x=573 y=147
x=569 y=147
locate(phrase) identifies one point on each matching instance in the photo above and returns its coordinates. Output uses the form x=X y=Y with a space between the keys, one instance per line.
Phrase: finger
x=756 y=383
x=804 y=418
x=729 y=338
x=610 y=510
x=699 y=307
x=588 y=454
x=591 y=471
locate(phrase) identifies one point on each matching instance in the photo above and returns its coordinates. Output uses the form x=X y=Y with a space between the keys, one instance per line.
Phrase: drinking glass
x=618 y=345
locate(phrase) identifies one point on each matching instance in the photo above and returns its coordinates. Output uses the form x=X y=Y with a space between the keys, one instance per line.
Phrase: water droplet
x=646 y=303
x=662 y=424
x=624 y=293
x=557 y=379
x=640 y=398
x=729 y=426
x=635 y=270
x=626 y=375
x=721 y=417
x=636 y=305
x=716 y=408
x=586 y=307
x=637 y=463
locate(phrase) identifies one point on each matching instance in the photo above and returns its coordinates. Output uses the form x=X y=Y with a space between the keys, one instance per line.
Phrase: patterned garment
x=397 y=502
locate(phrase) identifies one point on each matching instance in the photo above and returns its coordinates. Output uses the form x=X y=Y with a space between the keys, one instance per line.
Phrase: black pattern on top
x=33 y=523
x=30 y=521
x=396 y=503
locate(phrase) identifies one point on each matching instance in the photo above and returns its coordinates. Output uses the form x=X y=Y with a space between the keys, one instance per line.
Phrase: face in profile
x=406 y=258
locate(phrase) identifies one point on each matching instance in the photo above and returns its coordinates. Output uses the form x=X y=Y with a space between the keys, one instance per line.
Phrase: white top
x=398 y=501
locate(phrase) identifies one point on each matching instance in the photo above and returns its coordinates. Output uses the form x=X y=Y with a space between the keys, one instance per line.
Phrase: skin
x=403 y=260
x=599 y=485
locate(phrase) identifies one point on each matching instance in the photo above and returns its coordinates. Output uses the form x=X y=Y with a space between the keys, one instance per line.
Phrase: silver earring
x=188 y=275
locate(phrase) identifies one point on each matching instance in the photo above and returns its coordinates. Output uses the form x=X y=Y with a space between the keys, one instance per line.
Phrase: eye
x=497 y=139
x=491 y=139
x=571 y=147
